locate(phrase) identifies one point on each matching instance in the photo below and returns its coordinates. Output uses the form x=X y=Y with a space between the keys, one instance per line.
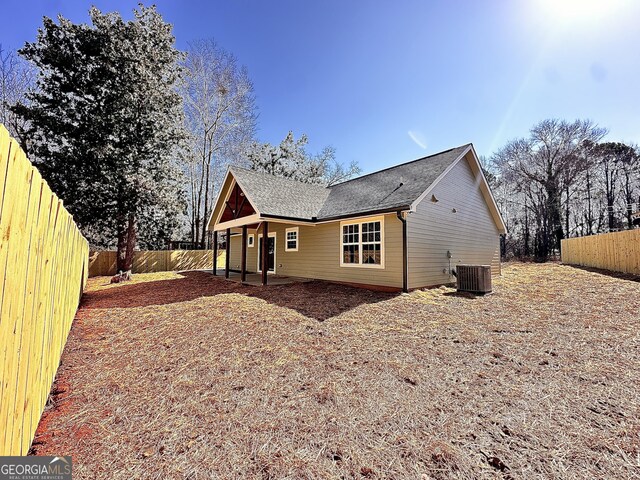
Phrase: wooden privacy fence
x=43 y=263
x=104 y=263
x=618 y=251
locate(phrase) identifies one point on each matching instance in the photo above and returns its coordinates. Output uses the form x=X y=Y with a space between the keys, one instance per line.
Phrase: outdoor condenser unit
x=474 y=278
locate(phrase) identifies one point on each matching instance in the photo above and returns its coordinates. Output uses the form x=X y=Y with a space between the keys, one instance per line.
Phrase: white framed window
x=251 y=240
x=351 y=243
x=291 y=239
x=372 y=243
x=362 y=242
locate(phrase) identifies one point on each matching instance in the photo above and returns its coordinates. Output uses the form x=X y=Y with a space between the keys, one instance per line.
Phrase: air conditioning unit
x=474 y=278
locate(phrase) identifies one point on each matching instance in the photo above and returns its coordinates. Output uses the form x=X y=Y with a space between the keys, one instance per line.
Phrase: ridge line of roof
x=318 y=185
x=400 y=164
x=355 y=178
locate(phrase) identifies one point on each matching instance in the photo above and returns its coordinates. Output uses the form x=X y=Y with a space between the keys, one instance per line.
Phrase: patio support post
x=243 y=266
x=215 y=253
x=265 y=253
x=226 y=261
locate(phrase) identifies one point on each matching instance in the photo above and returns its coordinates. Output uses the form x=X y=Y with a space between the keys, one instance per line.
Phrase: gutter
x=365 y=214
x=315 y=220
x=405 y=263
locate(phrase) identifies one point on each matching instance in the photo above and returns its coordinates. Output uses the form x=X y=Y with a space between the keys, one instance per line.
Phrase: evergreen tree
x=290 y=159
x=105 y=122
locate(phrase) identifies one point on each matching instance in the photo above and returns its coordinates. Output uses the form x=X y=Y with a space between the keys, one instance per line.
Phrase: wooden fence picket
x=149 y=261
x=43 y=269
x=616 y=251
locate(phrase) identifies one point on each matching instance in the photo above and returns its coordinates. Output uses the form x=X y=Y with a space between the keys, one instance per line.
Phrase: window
x=361 y=243
x=371 y=243
x=291 y=241
x=250 y=240
x=351 y=243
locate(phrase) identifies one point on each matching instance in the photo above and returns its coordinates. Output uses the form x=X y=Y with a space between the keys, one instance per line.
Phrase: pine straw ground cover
x=189 y=376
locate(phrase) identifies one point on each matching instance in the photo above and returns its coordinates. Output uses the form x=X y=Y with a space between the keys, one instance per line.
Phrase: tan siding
x=318 y=255
x=236 y=255
x=470 y=234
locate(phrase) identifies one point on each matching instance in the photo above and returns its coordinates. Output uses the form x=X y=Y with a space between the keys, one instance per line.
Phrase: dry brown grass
x=193 y=377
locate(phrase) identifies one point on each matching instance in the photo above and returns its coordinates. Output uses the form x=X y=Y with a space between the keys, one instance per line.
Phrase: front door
x=271 y=254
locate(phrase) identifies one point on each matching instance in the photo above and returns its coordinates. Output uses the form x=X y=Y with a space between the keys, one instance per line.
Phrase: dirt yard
x=190 y=376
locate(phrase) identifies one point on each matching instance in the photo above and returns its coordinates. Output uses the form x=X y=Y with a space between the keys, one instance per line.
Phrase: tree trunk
x=566 y=218
x=553 y=233
x=193 y=204
x=550 y=221
x=610 y=203
x=610 y=213
x=205 y=216
x=127 y=236
x=611 y=196
x=203 y=160
x=589 y=206
x=527 y=252
x=628 y=198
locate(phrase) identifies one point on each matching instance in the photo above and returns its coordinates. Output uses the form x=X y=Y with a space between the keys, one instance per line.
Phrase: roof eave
x=367 y=213
x=314 y=220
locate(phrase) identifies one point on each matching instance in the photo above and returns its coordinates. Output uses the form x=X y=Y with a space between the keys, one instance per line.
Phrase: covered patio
x=255 y=279
x=244 y=275
x=236 y=216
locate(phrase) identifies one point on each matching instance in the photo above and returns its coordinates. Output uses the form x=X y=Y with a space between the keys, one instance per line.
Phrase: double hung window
x=361 y=243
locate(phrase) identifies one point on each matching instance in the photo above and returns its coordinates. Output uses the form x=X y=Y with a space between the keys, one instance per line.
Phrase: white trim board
x=226 y=198
x=238 y=222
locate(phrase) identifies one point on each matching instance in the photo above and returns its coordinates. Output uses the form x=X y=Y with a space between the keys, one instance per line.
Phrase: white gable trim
x=502 y=226
x=238 y=222
x=486 y=191
x=226 y=175
x=211 y=226
x=226 y=198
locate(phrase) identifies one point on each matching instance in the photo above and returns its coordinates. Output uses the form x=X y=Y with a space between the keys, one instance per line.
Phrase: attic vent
x=474 y=278
x=434 y=199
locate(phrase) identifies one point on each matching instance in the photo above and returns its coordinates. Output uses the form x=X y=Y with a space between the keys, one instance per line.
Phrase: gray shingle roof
x=391 y=188
x=278 y=196
x=382 y=190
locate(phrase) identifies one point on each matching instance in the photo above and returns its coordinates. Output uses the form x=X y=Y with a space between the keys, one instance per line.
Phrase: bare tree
x=629 y=158
x=563 y=181
x=587 y=188
x=220 y=115
x=544 y=167
x=17 y=77
x=607 y=160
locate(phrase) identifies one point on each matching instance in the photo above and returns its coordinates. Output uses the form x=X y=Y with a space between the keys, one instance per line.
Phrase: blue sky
x=387 y=82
